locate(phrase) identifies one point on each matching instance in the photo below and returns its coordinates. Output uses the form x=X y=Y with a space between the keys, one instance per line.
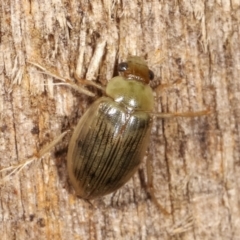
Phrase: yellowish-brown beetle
x=111 y=138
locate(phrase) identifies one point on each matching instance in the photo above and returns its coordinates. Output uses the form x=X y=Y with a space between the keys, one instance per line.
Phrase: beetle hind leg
x=16 y=169
x=150 y=188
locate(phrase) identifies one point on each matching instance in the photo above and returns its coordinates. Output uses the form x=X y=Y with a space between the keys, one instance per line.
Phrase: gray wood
x=193 y=48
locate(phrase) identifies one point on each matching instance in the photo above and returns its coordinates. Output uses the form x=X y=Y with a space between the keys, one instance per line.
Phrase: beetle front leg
x=70 y=83
x=90 y=83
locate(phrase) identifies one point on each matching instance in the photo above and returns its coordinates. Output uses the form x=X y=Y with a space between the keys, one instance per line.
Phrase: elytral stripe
x=83 y=152
x=91 y=153
x=120 y=158
x=108 y=161
x=132 y=143
x=96 y=162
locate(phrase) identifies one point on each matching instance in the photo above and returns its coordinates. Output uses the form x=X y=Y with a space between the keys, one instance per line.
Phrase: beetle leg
x=52 y=144
x=150 y=188
x=14 y=170
x=88 y=82
x=185 y=114
x=68 y=82
x=159 y=87
x=168 y=85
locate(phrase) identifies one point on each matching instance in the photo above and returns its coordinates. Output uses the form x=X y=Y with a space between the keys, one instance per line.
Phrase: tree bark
x=193 y=49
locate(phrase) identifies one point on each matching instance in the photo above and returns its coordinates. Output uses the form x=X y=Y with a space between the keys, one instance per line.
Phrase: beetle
x=111 y=138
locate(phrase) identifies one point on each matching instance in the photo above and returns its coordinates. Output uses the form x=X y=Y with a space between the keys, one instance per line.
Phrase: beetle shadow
x=60 y=156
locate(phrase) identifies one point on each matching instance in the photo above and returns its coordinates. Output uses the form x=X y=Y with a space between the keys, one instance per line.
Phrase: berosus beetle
x=111 y=138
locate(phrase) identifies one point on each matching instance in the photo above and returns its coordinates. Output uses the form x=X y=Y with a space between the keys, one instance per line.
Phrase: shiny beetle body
x=110 y=140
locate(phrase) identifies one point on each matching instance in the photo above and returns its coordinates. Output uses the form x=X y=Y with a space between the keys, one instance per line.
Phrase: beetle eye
x=122 y=66
x=151 y=75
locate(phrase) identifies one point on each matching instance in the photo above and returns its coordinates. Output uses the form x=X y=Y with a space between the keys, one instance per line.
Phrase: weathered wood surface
x=194 y=44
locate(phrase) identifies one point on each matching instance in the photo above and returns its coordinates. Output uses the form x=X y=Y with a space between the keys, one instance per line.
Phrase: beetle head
x=135 y=68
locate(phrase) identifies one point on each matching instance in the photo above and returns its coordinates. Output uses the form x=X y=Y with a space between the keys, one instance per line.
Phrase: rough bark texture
x=192 y=46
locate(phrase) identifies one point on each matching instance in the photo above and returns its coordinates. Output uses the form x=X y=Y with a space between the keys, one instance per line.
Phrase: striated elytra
x=111 y=138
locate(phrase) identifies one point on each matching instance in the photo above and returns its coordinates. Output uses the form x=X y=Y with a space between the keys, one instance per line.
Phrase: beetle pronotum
x=111 y=138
